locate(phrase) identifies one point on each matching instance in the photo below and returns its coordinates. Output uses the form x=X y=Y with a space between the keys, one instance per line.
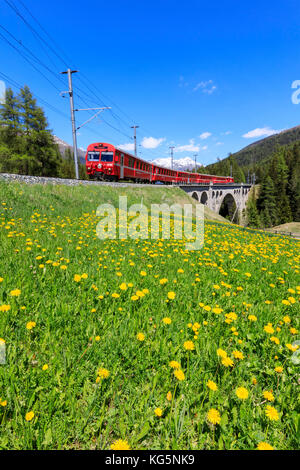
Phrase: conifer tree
x=10 y=120
x=266 y=203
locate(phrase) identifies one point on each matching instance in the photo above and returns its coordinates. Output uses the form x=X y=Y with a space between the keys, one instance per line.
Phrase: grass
x=293 y=227
x=90 y=328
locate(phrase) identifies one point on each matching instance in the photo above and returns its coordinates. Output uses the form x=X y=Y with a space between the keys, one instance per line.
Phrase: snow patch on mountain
x=183 y=164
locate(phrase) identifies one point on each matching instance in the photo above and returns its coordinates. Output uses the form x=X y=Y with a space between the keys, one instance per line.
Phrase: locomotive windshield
x=107 y=156
x=93 y=156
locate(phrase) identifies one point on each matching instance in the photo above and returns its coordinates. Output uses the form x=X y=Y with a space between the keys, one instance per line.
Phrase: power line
x=20 y=43
x=86 y=81
x=34 y=32
x=27 y=60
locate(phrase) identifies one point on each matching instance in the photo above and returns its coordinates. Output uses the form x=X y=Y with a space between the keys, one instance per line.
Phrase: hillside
x=40 y=197
x=261 y=150
x=264 y=148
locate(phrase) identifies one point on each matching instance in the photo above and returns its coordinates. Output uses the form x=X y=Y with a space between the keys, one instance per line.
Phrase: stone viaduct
x=225 y=199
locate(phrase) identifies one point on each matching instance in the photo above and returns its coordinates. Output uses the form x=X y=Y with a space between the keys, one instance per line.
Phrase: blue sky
x=207 y=78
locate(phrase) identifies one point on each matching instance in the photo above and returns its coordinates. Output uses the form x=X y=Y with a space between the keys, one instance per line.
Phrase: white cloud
x=220 y=143
x=226 y=133
x=151 y=142
x=127 y=147
x=205 y=135
x=191 y=147
x=182 y=82
x=205 y=147
x=206 y=87
x=260 y=132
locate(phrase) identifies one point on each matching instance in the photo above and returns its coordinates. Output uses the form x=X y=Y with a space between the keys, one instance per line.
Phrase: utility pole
x=171 y=148
x=69 y=72
x=195 y=156
x=135 y=128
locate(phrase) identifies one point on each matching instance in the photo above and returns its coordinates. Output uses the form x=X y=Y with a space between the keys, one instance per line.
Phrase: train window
x=93 y=156
x=107 y=156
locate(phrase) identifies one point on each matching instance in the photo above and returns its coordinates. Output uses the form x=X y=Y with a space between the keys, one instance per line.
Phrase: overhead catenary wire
x=94 y=98
x=83 y=78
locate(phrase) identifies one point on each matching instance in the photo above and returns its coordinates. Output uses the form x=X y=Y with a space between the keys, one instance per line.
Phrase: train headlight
x=99 y=166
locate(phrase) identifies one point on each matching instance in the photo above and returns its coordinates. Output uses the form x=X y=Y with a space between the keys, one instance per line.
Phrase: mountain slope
x=263 y=148
x=183 y=164
x=62 y=145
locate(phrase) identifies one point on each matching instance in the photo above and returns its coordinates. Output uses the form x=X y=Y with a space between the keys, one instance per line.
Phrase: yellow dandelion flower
x=171 y=295
x=271 y=413
x=252 y=318
x=217 y=310
x=269 y=329
x=140 y=336
x=213 y=416
x=120 y=444
x=189 y=345
x=264 y=446
x=212 y=385
x=167 y=321
x=227 y=362
x=242 y=393
x=174 y=365
x=291 y=347
x=275 y=340
x=169 y=396
x=158 y=412
x=179 y=374
x=15 y=292
x=29 y=416
x=103 y=373
x=221 y=353
x=238 y=354
x=268 y=395
x=45 y=367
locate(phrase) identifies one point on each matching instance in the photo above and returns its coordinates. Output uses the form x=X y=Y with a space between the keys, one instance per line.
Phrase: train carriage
x=109 y=163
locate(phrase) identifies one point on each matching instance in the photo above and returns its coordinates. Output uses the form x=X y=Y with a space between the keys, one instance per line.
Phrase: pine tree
x=252 y=213
x=39 y=142
x=293 y=189
x=10 y=120
x=278 y=171
x=266 y=203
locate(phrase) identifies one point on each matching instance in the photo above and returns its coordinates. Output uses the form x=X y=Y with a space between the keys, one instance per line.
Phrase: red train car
x=110 y=163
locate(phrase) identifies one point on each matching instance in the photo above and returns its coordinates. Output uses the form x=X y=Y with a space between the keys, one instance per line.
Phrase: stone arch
x=204 y=197
x=228 y=208
x=195 y=195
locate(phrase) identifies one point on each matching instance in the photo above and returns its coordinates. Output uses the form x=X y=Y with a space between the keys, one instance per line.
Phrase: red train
x=107 y=162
